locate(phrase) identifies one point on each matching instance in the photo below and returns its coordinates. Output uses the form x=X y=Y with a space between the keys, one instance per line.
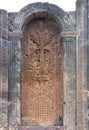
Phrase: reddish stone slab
x=40 y=128
x=41 y=74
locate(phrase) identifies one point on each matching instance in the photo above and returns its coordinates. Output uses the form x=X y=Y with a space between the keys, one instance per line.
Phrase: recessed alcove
x=41 y=70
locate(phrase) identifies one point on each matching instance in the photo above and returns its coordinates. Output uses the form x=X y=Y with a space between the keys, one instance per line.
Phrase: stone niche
x=44 y=68
x=41 y=72
x=38 y=63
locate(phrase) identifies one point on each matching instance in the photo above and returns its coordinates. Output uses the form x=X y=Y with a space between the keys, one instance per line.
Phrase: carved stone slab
x=41 y=74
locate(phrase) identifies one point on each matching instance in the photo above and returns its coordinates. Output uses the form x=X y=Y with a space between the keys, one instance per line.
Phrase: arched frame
x=40 y=10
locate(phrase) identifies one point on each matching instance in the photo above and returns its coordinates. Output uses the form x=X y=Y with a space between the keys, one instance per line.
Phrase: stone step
x=40 y=128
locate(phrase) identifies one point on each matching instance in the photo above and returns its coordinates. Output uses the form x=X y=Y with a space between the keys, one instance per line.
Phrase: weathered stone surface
x=3 y=69
x=11 y=17
x=41 y=74
x=13 y=127
x=82 y=64
x=31 y=10
x=69 y=63
x=74 y=33
x=14 y=82
x=40 y=128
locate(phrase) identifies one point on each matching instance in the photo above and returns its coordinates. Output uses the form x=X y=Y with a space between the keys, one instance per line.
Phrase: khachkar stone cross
x=41 y=83
x=42 y=57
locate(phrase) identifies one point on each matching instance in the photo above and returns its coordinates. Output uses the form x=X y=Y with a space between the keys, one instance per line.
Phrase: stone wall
x=74 y=41
x=4 y=43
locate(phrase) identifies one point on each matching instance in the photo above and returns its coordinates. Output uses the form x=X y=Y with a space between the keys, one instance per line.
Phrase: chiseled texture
x=42 y=94
x=72 y=97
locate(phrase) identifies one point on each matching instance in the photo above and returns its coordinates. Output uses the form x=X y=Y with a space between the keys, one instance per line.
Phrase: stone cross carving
x=42 y=49
x=41 y=73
